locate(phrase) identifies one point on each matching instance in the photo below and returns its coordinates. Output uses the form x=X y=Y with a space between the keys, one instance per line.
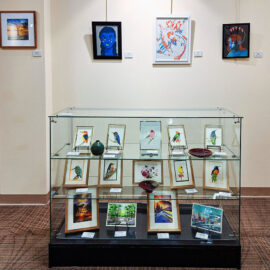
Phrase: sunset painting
x=17 y=29
x=82 y=208
x=163 y=209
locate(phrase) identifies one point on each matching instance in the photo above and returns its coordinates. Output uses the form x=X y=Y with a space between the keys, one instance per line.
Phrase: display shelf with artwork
x=101 y=205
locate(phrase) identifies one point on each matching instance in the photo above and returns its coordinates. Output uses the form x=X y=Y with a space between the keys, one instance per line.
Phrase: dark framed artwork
x=236 y=40
x=18 y=30
x=107 y=40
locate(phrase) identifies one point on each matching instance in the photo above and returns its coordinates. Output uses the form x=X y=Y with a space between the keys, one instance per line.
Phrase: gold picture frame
x=77 y=129
x=108 y=136
x=169 y=137
x=205 y=136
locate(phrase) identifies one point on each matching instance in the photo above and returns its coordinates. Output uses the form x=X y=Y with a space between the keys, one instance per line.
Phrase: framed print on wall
x=172 y=40
x=110 y=173
x=76 y=173
x=181 y=174
x=216 y=175
x=107 y=40
x=163 y=212
x=147 y=170
x=81 y=211
x=116 y=136
x=83 y=137
x=236 y=38
x=18 y=29
x=207 y=218
x=150 y=135
x=177 y=136
x=213 y=136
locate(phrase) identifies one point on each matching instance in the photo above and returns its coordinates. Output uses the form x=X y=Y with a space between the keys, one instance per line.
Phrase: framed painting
x=236 y=37
x=177 y=136
x=172 y=40
x=110 y=173
x=181 y=174
x=163 y=212
x=18 y=29
x=76 y=173
x=116 y=136
x=150 y=135
x=81 y=211
x=147 y=170
x=107 y=40
x=83 y=137
x=213 y=136
x=207 y=218
x=216 y=175
x=121 y=214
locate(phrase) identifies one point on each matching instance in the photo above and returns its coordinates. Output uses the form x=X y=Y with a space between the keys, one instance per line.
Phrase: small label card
x=151 y=151
x=221 y=154
x=178 y=153
x=64 y=114
x=191 y=190
x=115 y=152
x=81 y=190
x=88 y=235
x=108 y=156
x=116 y=190
x=163 y=235
x=203 y=236
x=225 y=194
x=73 y=153
x=120 y=234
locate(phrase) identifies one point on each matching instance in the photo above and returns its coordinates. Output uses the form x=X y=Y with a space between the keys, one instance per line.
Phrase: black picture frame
x=240 y=31
x=97 y=48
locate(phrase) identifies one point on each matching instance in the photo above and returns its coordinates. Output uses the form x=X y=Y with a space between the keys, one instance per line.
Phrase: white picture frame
x=177 y=136
x=213 y=136
x=116 y=136
x=172 y=39
x=80 y=142
x=150 y=135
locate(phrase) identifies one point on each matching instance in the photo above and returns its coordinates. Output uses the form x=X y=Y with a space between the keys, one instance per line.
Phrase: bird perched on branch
x=176 y=137
x=151 y=136
x=78 y=172
x=111 y=170
x=214 y=174
x=213 y=137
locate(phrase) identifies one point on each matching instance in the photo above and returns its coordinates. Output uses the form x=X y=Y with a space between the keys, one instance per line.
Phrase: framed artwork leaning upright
x=213 y=136
x=177 y=136
x=150 y=135
x=83 y=137
x=116 y=136
x=107 y=40
x=18 y=30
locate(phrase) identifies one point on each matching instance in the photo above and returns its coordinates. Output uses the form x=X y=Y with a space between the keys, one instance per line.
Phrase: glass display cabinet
x=145 y=187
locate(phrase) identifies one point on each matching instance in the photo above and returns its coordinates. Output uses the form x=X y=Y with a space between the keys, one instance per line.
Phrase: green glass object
x=97 y=148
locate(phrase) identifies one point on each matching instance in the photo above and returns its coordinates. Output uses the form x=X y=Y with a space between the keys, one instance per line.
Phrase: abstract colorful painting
x=116 y=136
x=107 y=40
x=213 y=136
x=163 y=209
x=82 y=211
x=236 y=40
x=207 y=218
x=172 y=38
x=121 y=214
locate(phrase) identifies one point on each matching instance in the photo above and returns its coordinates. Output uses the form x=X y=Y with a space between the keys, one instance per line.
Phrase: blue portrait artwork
x=108 y=41
x=236 y=41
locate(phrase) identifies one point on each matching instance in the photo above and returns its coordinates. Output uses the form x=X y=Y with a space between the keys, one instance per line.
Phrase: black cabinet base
x=177 y=256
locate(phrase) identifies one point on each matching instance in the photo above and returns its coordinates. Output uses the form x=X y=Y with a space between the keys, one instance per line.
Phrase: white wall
x=240 y=85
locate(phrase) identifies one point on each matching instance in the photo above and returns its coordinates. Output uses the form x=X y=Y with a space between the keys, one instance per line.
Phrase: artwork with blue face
x=236 y=40
x=107 y=40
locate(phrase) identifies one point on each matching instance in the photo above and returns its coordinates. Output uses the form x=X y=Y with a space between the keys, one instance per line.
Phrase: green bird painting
x=214 y=174
x=213 y=137
x=78 y=172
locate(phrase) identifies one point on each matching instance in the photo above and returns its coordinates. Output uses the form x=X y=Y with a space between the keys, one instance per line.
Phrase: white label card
x=64 y=114
x=116 y=190
x=88 y=235
x=120 y=234
x=225 y=194
x=81 y=190
x=73 y=153
x=220 y=154
x=203 y=236
x=115 y=152
x=163 y=236
x=108 y=156
x=152 y=151
x=178 y=153
x=191 y=190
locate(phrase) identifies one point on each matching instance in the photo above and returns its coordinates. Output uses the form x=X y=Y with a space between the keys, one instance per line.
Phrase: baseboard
x=255 y=191
x=24 y=198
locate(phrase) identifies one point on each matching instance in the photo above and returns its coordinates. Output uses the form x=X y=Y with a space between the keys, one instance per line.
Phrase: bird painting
x=213 y=137
x=180 y=171
x=176 y=137
x=116 y=137
x=111 y=170
x=151 y=136
x=78 y=172
x=214 y=174
x=85 y=137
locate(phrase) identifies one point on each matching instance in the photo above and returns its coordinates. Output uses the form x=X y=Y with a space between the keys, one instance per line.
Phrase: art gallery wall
x=240 y=85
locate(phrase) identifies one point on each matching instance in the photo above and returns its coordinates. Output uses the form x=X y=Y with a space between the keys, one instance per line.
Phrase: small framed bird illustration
x=213 y=136
x=216 y=175
x=116 y=136
x=76 y=173
x=177 y=137
x=181 y=174
x=110 y=173
x=83 y=138
x=150 y=135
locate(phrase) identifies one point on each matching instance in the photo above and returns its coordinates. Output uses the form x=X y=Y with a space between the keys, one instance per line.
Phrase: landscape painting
x=163 y=209
x=17 y=29
x=82 y=207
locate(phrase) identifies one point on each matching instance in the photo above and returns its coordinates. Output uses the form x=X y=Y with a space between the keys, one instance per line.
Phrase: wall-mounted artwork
x=18 y=29
x=216 y=175
x=172 y=40
x=236 y=40
x=107 y=40
x=150 y=132
x=213 y=136
x=116 y=136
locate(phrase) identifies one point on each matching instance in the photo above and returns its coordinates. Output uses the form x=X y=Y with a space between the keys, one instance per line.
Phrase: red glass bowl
x=148 y=185
x=200 y=152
